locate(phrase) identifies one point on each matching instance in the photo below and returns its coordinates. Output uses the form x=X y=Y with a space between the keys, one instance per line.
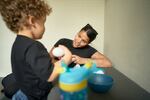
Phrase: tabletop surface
x=122 y=89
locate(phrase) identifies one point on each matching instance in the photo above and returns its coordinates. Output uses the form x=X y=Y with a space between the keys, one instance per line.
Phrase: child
x=31 y=63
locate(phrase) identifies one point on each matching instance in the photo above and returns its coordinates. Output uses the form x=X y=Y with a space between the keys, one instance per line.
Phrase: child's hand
x=56 y=72
x=57 y=65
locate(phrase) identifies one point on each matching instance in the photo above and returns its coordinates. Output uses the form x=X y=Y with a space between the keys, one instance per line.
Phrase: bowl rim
x=101 y=83
x=106 y=84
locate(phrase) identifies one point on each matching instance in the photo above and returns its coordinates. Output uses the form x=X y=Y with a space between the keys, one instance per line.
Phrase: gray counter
x=122 y=89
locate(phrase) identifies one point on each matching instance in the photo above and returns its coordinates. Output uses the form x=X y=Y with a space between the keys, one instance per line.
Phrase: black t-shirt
x=31 y=65
x=85 y=52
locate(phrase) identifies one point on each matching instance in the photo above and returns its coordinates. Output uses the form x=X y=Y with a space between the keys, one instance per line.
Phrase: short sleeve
x=39 y=60
x=60 y=42
x=92 y=50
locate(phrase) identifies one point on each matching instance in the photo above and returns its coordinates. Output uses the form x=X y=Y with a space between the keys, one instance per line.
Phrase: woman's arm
x=100 y=59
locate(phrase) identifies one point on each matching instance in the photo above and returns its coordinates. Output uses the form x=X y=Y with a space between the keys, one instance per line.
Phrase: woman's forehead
x=83 y=35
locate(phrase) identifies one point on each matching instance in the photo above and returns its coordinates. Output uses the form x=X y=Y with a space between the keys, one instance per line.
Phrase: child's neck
x=26 y=33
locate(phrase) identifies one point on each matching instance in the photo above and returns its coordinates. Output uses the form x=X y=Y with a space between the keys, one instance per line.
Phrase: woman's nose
x=79 y=40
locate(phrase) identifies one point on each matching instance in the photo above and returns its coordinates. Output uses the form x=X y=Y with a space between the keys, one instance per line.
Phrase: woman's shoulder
x=91 y=48
x=64 y=39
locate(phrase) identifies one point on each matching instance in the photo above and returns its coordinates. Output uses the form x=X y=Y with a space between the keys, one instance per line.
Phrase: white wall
x=6 y=39
x=127 y=38
x=67 y=18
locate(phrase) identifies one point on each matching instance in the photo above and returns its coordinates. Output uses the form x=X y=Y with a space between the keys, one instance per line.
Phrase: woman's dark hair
x=91 y=33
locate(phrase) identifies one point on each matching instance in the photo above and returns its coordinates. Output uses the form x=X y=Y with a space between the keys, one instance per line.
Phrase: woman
x=81 y=50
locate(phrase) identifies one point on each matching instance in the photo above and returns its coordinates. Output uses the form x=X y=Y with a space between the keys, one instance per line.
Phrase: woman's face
x=81 y=40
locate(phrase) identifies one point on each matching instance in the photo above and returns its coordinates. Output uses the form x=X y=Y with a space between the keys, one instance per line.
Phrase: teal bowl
x=101 y=83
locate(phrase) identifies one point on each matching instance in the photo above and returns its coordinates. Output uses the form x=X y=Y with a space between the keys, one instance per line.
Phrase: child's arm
x=55 y=72
x=57 y=65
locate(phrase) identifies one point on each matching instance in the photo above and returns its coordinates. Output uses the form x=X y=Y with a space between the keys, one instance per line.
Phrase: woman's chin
x=74 y=46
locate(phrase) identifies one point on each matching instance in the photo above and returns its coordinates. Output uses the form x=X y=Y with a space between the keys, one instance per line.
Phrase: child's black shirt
x=31 y=65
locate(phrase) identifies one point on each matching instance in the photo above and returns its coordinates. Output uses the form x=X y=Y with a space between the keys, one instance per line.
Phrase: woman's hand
x=78 y=60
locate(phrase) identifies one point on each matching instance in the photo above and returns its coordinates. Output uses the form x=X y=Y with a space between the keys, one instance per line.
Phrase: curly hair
x=16 y=12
